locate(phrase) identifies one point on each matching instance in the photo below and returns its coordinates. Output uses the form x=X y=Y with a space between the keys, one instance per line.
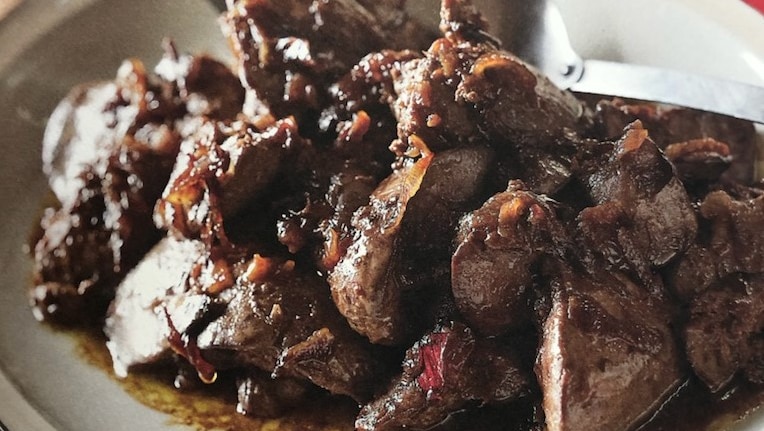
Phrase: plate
x=48 y=47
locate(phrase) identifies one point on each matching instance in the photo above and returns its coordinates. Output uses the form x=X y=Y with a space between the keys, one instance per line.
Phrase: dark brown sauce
x=694 y=408
x=212 y=407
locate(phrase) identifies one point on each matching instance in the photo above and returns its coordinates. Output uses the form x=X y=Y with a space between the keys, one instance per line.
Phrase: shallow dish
x=47 y=47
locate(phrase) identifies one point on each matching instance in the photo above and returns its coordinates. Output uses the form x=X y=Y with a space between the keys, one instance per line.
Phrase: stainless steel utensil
x=536 y=32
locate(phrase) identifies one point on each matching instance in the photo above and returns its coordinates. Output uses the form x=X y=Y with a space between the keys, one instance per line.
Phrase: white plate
x=47 y=46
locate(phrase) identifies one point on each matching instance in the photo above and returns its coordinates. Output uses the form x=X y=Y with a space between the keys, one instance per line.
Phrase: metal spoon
x=536 y=32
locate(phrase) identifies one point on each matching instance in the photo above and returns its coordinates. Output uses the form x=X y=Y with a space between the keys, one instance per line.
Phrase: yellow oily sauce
x=213 y=407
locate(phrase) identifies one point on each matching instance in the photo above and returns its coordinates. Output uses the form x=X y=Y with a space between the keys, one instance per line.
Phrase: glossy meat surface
x=442 y=372
x=144 y=299
x=731 y=243
x=223 y=168
x=458 y=95
x=643 y=216
x=721 y=335
x=286 y=324
x=406 y=227
x=674 y=125
x=500 y=245
x=608 y=356
x=420 y=223
x=108 y=152
x=285 y=50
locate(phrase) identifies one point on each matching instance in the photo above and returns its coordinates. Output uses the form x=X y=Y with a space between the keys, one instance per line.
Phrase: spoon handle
x=651 y=84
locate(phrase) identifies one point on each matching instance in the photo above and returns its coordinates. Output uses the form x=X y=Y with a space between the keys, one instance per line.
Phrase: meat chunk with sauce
x=406 y=227
x=730 y=242
x=94 y=120
x=281 y=320
x=643 y=216
x=719 y=279
x=467 y=89
x=676 y=125
x=457 y=95
x=287 y=50
x=361 y=107
x=171 y=291
x=108 y=152
x=608 y=357
x=150 y=293
x=499 y=248
x=370 y=82
x=699 y=160
x=723 y=333
x=224 y=309
x=224 y=168
x=84 y=251
x=260 y=395
x=447 y=369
